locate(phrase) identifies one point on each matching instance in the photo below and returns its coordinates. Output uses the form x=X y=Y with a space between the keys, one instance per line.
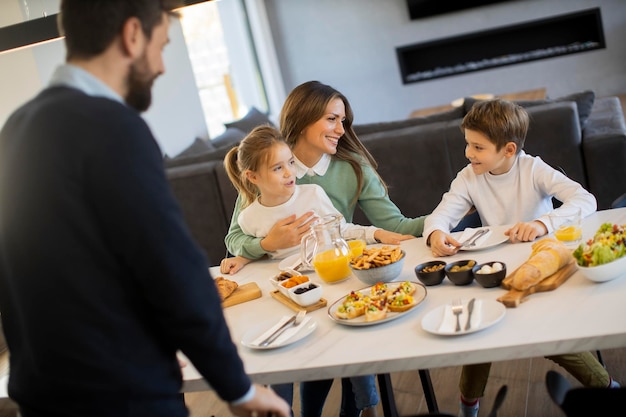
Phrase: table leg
x=429 y=392
x=387 y=398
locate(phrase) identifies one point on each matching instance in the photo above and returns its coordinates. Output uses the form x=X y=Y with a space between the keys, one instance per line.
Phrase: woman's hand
x=288 y=232
x=390 y=238
x=526 y=231
x=265 y=403
x=232 y=265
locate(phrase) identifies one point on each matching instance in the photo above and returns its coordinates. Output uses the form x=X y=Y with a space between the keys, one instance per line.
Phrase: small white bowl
x=285 y=290
x=605 y=272
x=309 y=297
x=282 y=276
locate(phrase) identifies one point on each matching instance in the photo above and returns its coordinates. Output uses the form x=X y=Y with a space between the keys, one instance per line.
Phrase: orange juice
x=356 y=247
x=332 y=266
x=568 y=233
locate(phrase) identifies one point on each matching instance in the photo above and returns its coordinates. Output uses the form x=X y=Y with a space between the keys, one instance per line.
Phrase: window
x=224 y=61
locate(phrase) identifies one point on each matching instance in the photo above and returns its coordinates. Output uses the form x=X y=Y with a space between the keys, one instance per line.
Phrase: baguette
x=547 y=257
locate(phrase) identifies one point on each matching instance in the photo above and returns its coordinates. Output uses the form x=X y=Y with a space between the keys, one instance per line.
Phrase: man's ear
x=133 y=38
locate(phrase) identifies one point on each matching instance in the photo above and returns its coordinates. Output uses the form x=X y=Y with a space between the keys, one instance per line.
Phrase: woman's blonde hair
x=501 y=121
x=305 y=105
x=252 y=153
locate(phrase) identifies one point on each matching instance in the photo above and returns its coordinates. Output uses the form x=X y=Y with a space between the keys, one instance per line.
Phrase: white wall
x=175 y=117
x=350 y=44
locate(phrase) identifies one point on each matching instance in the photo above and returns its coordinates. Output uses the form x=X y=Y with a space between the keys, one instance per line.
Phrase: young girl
x=261 y=168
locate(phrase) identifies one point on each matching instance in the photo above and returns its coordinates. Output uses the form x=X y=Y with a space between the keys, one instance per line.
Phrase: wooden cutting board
x=243 y=293
x=514 y=297
x=295 y=306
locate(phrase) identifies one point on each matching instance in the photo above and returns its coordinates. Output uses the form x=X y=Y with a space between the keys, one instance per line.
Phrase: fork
x=474 y=239
x=457 y=309
x=294 y=323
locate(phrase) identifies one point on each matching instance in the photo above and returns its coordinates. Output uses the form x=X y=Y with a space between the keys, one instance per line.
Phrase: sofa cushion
x=198 y=146
x=363 y=129
x=229 y=138
x=251 y=120
x=584 y=102
x=415 y=164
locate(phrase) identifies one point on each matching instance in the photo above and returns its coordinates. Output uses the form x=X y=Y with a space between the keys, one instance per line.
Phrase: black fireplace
x=539 y=39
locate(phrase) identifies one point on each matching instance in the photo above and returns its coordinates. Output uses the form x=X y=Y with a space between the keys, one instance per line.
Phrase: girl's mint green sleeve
x=240 y=244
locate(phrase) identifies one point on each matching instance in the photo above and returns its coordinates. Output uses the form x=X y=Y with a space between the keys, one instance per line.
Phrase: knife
x=278 y=331
x=470 y=308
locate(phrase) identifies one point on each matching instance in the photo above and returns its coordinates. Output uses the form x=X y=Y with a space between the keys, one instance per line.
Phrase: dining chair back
x=585 y=402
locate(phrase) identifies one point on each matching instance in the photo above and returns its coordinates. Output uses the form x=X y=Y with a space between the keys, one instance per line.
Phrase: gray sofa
x=583 y=136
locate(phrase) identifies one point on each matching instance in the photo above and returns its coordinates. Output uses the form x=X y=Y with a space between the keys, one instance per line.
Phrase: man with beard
x=100 y=280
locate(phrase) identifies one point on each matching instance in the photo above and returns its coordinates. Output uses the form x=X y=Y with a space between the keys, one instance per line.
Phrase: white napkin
x=291 y=330
x=467 y=233
x=448 y=324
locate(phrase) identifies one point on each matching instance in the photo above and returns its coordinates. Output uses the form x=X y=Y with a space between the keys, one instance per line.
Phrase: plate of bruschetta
x=377 y=304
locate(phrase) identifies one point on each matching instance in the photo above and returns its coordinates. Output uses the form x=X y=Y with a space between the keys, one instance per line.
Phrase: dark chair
x=619 y=202
x=493 y=413
x=585 y=402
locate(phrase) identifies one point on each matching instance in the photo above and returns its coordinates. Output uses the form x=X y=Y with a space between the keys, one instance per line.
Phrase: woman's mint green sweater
x=340 y=184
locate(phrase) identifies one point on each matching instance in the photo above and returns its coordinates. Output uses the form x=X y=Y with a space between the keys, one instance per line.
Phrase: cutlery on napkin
x=468 y=232
x=448 y=324
x=291 y=330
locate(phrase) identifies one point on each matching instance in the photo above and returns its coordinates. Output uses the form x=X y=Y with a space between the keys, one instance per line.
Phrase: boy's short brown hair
x=499 y=120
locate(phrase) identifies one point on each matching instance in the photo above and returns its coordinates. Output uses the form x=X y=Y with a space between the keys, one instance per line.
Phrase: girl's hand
x=526 y=231
x=232 y=265
x=288 y=232
x=390 y=238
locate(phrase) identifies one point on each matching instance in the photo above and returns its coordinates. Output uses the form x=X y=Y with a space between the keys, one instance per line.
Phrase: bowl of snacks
x=603 y=257
x=460 y=272
x=306 y=294
x=490 y=274
x=378 y=264
x=431 y=273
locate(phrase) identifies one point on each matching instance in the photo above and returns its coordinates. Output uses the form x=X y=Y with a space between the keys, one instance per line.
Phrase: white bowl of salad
x=603 y=257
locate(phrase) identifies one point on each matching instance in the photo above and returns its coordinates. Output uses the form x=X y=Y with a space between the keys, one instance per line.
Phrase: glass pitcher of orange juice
x=325 y=250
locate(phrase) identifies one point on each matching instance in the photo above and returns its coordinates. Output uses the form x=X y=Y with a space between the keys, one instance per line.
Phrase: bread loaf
x=547 y=257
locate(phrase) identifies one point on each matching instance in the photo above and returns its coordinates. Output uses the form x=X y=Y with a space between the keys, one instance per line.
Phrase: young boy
x=506 y=186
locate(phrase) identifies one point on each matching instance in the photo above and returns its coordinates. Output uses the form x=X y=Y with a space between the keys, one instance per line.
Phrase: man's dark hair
x=90 y=26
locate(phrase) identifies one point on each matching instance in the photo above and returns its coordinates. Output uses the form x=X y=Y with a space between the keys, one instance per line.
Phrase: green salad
x=608 y=244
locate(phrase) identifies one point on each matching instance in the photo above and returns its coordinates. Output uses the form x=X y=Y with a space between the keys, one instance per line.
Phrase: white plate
x=496 y=237
x=419 y=296
x=258 y=329
x=492 y=312
x=288 y=262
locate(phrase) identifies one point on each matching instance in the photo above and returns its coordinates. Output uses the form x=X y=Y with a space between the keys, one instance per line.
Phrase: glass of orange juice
x=566 y=223
x=356 y=241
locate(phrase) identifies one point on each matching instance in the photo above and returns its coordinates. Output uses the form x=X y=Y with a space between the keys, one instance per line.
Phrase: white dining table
x=580 y=315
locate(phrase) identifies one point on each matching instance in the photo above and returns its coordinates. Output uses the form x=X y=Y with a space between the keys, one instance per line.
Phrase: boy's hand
x=390 y=238
x=526 y=231
x=442 y=244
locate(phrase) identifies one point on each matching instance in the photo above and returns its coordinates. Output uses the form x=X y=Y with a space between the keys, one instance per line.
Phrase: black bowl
x=489 y=280
x=464 y=276
x=430 y=278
